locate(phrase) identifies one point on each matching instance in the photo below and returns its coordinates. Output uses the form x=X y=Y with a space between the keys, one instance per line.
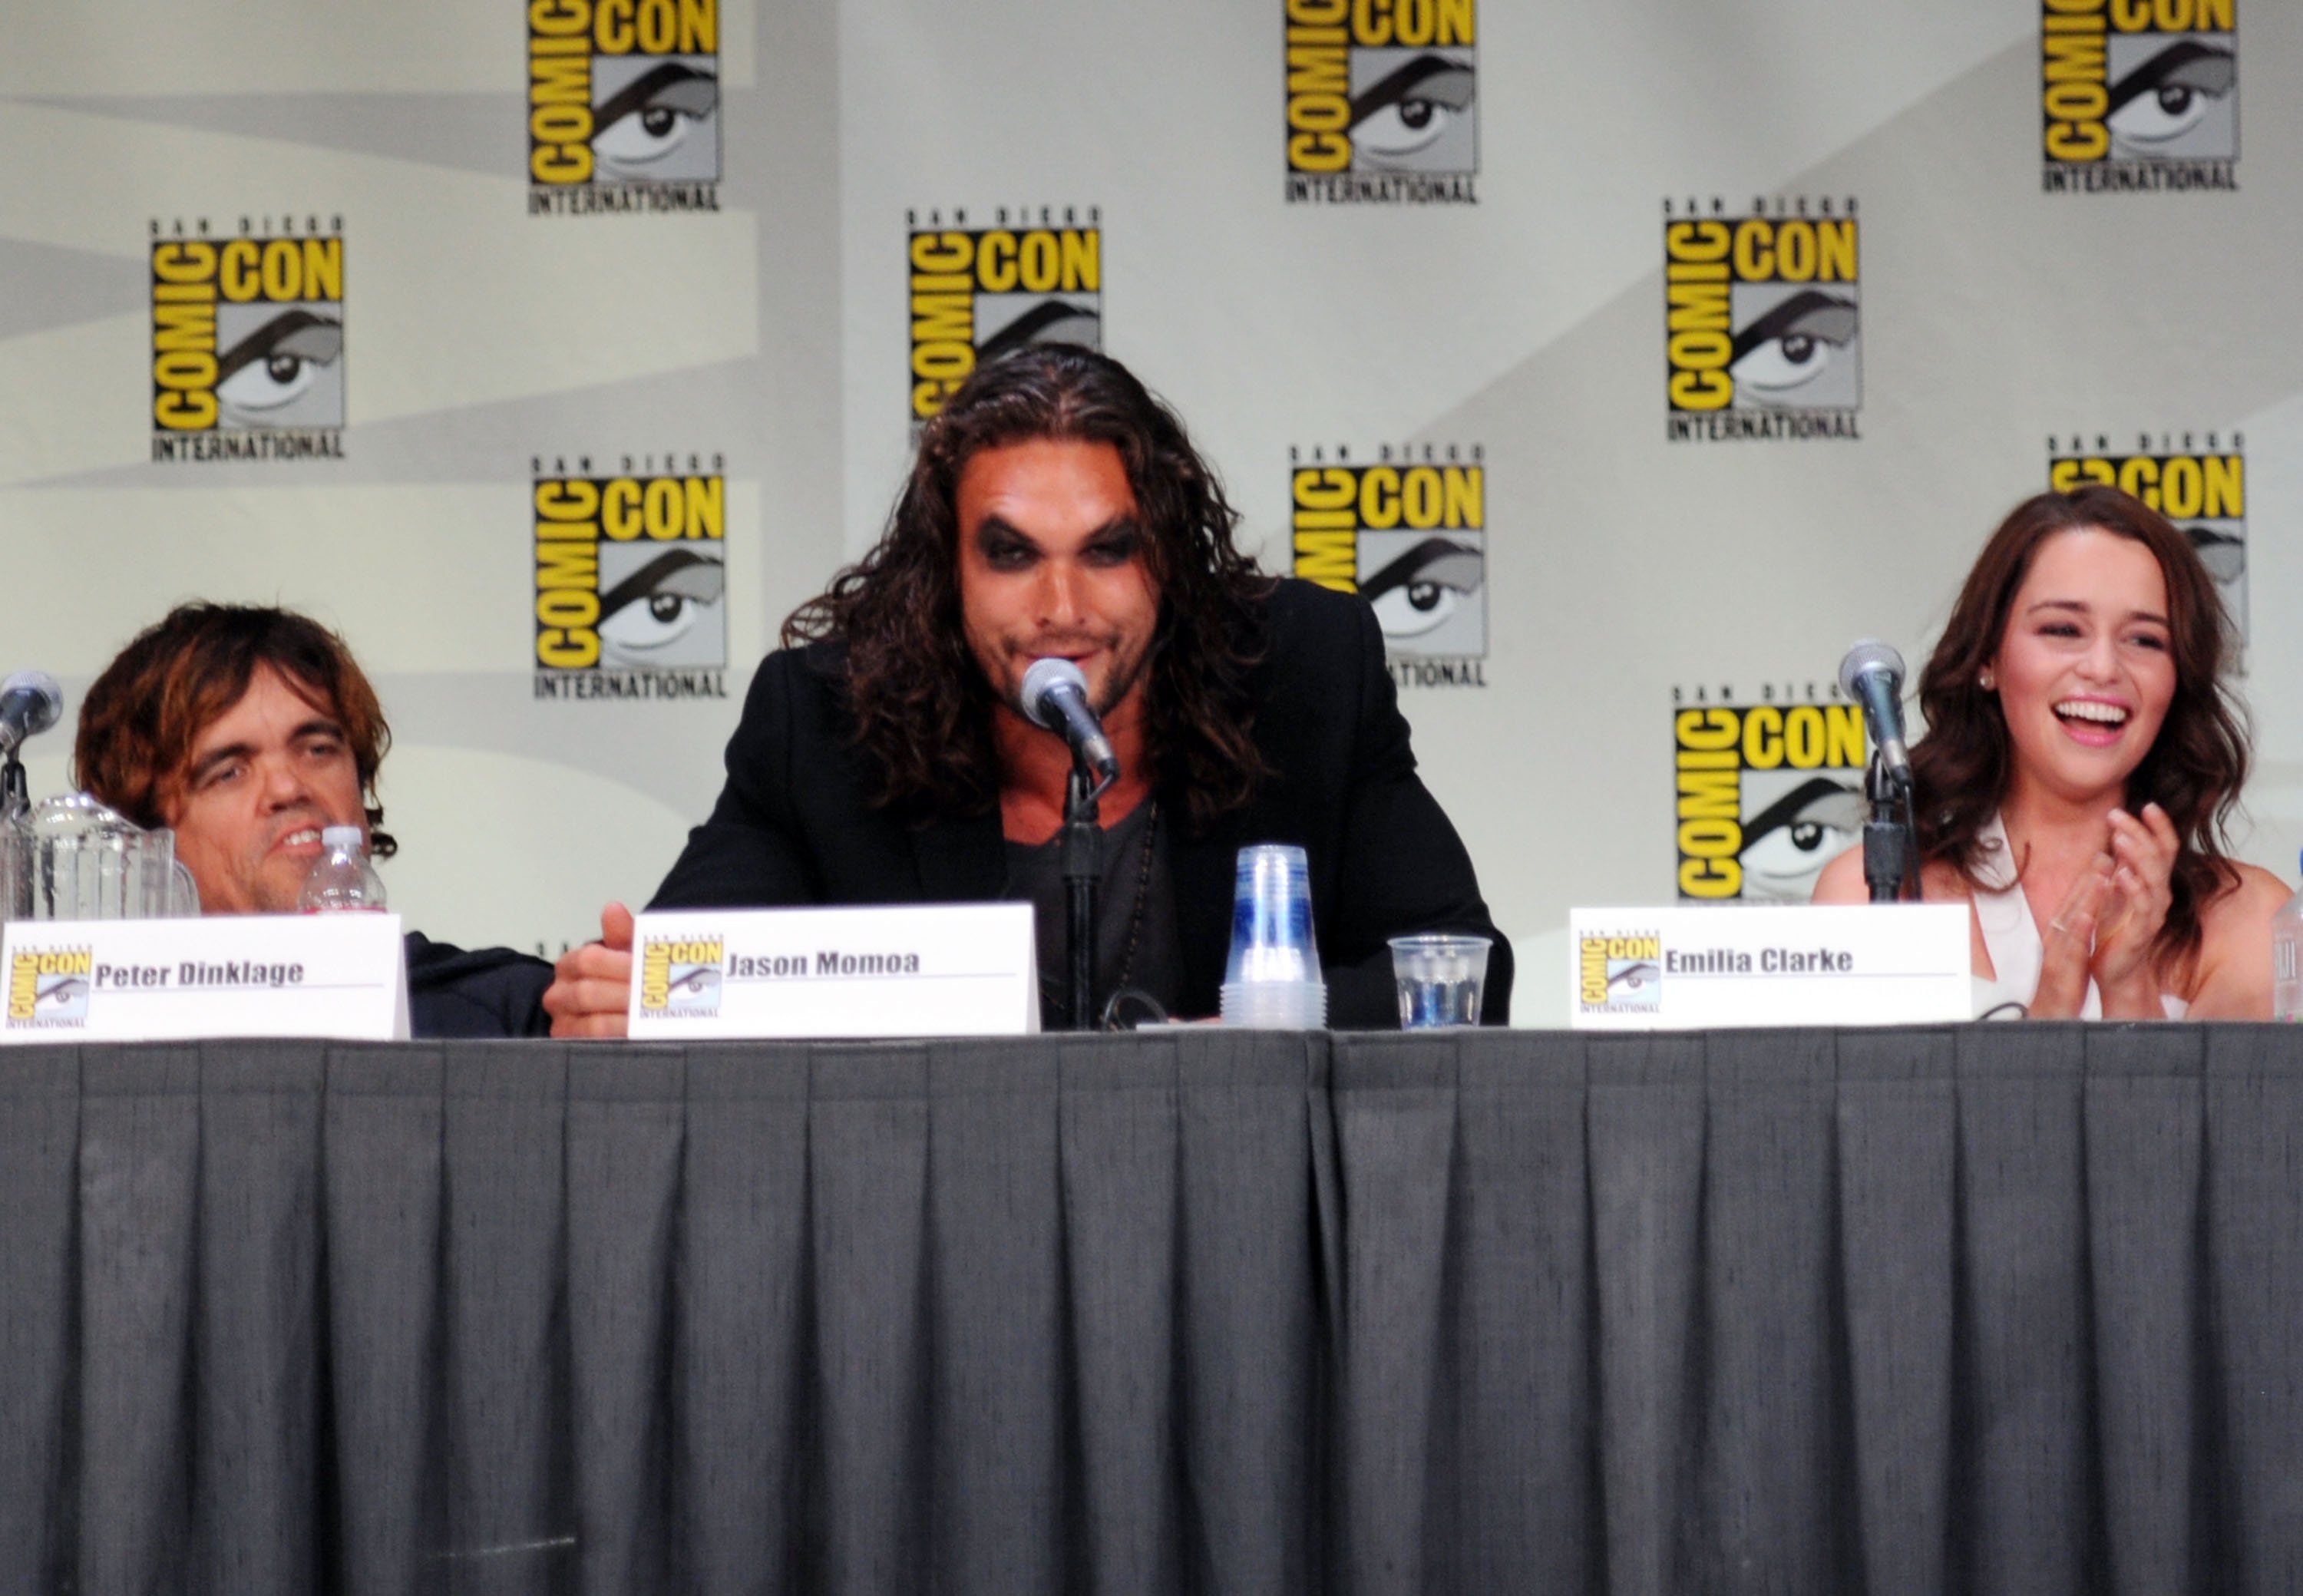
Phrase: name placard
x=940 y=969
x=1769 y=965
x=340 y=976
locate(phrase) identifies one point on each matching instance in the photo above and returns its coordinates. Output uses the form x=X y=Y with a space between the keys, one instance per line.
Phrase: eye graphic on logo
x=272 y=366
x=1792 y=344
x=1408 y=109
x=653 y=116
x=1050 y=321
x=1632 y=977
x=697 y=983
x=2169 y=95
x=1423 y=586
x=63 y=992
x=2224 y=555
x=1788 y=844
x=657 y=604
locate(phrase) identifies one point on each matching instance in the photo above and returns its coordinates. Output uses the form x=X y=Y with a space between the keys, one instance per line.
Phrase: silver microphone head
x=1040 y=678
x=30 y=702
x=1867 y=656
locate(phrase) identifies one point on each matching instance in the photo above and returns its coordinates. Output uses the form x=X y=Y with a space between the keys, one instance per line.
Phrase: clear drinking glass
x=1441 y=977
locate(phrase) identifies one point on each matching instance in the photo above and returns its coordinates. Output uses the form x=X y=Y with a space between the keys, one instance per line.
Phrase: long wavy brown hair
x=922 y=705
x=1964 y=764
x=140 y=722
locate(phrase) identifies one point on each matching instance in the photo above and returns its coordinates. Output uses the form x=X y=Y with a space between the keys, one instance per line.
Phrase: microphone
x=30 y=702
x=1055 y=697
x=1872 y=674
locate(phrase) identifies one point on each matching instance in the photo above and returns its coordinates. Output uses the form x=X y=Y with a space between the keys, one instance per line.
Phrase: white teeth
x=2087 y=709
x=293 y=838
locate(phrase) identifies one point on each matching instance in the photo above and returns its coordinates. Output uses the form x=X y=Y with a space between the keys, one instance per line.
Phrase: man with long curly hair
x=1055 y=508
x=247 y=730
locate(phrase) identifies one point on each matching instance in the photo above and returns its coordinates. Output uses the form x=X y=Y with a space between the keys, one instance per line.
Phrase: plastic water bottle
x=341 y=877
x=2286 y=952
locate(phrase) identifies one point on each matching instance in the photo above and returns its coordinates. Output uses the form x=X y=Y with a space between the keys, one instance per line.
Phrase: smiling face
x=1051 y=563
x=263 y=778
x=2086 y=670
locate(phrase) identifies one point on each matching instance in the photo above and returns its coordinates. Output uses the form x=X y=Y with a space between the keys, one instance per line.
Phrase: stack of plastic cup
x=1272 y=981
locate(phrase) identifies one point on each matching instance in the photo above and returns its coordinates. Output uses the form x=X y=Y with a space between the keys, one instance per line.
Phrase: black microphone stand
x=1888 y=844
x=1083 y=876
x=15 y=792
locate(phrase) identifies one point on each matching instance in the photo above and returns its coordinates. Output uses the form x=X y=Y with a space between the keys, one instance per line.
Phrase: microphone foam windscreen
x=1040 y=678
x=1869 y=655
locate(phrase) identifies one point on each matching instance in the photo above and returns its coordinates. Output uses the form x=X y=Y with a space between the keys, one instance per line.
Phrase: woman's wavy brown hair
x=1962 y=766
x=140 y=722
x=923 y=707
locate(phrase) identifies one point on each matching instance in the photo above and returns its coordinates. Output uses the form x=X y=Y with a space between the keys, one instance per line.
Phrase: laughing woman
x=2082 y=757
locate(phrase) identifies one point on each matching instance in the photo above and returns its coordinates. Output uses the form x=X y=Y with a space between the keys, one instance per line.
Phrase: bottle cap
x=343 y=836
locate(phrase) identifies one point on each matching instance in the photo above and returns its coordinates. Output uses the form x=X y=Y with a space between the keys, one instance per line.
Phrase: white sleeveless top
x=2011 y=937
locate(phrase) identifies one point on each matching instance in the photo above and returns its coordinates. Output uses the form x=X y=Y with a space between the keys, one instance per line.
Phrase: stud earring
x=1988 y=681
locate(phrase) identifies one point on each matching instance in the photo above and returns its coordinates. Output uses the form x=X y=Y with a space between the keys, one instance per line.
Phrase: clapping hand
x=2107 y=924
x=2143 y=850
x=2067 y=942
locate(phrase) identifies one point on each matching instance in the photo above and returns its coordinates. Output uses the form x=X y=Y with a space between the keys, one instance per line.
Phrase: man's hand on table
x=590 y=994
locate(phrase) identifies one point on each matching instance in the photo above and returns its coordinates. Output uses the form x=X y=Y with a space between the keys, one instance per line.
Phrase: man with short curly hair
x=247 y=730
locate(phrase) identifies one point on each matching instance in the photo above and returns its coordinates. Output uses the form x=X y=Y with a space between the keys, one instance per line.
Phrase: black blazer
x=796 y=823
x=484 y=992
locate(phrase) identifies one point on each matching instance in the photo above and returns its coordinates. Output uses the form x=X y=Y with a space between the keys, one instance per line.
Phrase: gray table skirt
x=2006 y=1308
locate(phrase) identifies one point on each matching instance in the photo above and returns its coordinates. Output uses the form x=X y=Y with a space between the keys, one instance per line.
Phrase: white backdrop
x=745 y=312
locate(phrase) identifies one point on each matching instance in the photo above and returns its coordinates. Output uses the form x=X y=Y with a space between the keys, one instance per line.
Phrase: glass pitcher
x=71 y=858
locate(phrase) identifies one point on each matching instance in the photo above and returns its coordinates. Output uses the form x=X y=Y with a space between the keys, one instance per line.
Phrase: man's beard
x=1115 y=688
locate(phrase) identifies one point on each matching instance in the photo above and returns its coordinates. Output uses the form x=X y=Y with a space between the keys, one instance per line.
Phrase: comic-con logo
x=623 y=106
x=1382 y=101
x=1407 y=532
x=2192 y=479
x=1761 y=320
x=2139 y=95
x=49 y=987
x=630 y=594
x=1034 y=276
x=1619 y=974
x=680 y=977
x=247 y=341
x=1768 y=793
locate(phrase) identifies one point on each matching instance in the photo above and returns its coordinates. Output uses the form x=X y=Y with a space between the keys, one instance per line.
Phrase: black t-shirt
x=1136 y=944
